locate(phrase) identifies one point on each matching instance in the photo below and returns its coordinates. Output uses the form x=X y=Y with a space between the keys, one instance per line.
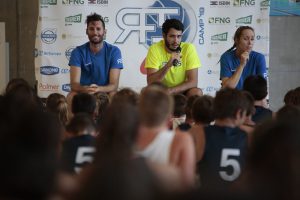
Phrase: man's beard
x=96 y=42
x=169 y=46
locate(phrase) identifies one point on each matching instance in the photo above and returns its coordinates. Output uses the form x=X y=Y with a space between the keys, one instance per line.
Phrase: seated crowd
x=149 y=145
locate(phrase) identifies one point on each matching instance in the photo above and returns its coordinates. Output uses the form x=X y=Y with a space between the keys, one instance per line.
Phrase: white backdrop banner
x=134 y=25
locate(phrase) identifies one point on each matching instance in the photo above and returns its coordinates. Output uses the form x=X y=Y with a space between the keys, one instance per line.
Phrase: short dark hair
x=94 y=17
x=228 y=102
x=257 y=86
x=202 y=110
x=180 y=102
x=172 y=23
x=84 y=102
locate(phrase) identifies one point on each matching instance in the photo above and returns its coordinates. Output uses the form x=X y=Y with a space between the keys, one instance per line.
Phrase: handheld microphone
x=175 y=61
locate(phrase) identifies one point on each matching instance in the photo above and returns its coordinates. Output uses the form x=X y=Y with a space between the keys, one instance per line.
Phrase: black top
x=223 y=158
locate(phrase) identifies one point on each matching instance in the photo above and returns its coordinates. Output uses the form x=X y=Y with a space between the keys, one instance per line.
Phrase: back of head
x=155 y=106
x=81 y=123
x=257 y=86
x=83 y=102
x=292 y=97
x=126 y=95
x=180 y=102
x=15 y=83
x=172 y=23
x=189 y=106
x=22 y=96
x=119 y=131
x=57 y=104
x=228 y=102
x=29 y=144
x=102 y=102
x=274 y=159
x=288 y=113
x=202 y=111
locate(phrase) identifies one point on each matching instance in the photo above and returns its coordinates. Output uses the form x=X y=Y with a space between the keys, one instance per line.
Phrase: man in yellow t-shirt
x=172 y=62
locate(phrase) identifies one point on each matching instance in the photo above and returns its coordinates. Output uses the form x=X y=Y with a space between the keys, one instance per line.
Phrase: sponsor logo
x=201 y=25
x=244 y=20
x=262 y=20
x=98 y=2
x=147 y=22
x=73 y=19
x=46 y=3
x=48 y=19
x=220 y=37
x=219 y=3
x=65 y=71
x=48 y=87
x=69 y=51
x=65 y=36
x=49 y=70
x=264 y=5
x=49 y=35
x=213 y=55
x=211 y=89
x=72 y=2
x=219 y=20
x=45 y=53
x=261 y=37
x=244 y=3
x=210 y=72
x=66 y=87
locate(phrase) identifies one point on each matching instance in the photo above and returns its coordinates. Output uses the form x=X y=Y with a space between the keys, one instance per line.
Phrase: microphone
x=175 y=61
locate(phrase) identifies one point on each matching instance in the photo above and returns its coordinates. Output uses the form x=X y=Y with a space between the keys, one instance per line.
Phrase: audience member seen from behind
x=78 y=149
x=249 y=125
x=29 y=144
x=86 y=103
x=256 y=85
x=173 y=62
x=292 y=97
x=189 y=121
x=116 y=173
x=159 y=144
x=223 y=141
x=203 y=115
x=128 y=95
x=273 y=162
x=57 y=103
x=240 y=61
x=102 y=102
x=180 y=102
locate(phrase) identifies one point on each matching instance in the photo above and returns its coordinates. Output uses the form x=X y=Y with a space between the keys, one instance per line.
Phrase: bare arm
x=154 y=75
x=75 y=73
x=232 y=81
x=112 y=86
x=183 y=156
x=191 y=82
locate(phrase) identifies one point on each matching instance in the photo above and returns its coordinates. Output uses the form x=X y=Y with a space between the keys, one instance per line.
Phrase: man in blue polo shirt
x=95 y=66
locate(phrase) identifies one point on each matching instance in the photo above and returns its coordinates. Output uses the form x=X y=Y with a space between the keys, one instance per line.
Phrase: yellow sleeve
x=193 y=60
x=152 y=59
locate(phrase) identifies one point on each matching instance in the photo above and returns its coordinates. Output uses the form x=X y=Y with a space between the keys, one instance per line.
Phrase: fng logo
x=219 y=20
x=243 y=2
x=148 y=21
x=72 y=2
